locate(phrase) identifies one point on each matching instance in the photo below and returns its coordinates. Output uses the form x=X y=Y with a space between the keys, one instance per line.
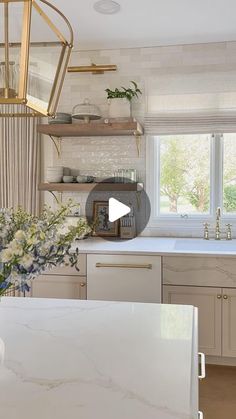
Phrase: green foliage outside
x=185 y=174
x=173 y=167
x=230 y=198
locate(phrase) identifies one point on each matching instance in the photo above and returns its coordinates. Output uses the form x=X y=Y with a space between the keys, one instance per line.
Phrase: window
x=184 y=181
x=189 y=177
x=229 y=174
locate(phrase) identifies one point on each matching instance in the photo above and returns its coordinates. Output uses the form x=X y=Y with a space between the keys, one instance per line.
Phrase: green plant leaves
x=127 y=93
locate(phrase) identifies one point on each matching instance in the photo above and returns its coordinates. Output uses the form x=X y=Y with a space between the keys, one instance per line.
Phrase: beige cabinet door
x=229 y=321
x=208 y=301
x=59 y=286
x=124 y=278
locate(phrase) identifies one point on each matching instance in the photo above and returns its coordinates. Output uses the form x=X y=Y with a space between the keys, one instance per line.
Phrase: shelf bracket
x=58 y=200
x=57 y=143
x=138 y=142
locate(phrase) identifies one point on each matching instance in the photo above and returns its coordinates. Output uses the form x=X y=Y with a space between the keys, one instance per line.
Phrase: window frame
x=192 y=225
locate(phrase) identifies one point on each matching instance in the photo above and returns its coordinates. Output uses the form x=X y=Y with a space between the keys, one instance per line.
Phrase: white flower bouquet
x=29 y=245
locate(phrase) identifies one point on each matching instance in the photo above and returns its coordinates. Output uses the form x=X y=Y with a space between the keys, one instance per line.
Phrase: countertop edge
x=151 y=246
x=156 y=253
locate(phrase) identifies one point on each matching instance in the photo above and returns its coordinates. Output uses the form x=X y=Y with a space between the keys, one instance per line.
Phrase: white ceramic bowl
x=54 y=174
x=61 y=118
x=54 y=179
x=68 y=179
x=81 y=179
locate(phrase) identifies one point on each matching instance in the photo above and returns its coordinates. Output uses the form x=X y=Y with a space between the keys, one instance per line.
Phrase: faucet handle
x=228 y=231
x=206 y=231
x=218 y=212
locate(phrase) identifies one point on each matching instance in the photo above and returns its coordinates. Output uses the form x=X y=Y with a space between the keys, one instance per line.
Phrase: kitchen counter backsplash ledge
x=158 y=246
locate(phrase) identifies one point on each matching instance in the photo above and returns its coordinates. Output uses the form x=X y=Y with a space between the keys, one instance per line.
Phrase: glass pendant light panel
x=11 y=19
x=2 y=79
x=16 y=21
x=34 y=54
x=42 y=71
x=45 y=60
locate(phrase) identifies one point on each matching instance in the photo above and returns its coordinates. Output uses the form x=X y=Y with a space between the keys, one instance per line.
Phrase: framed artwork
x=103 y=227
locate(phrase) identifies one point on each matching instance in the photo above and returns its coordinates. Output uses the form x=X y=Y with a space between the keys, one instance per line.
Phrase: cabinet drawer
x=124 y=278
x=199 y=271
x=67 y=270
x=61 y=286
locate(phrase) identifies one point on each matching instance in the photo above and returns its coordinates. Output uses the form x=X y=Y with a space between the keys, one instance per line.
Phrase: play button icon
x=117 y=210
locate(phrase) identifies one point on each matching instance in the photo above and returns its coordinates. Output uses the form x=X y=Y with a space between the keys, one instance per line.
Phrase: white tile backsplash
x=139 y=64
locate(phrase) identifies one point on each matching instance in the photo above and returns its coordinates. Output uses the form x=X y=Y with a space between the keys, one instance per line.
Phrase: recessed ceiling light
x=107 y=7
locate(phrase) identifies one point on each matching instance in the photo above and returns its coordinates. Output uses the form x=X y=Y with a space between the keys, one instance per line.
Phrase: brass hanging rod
x=94 y=69
x=21 y=115
x=33 y=44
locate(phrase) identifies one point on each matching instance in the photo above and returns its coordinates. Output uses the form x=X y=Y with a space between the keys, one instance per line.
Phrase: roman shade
x=188 y=102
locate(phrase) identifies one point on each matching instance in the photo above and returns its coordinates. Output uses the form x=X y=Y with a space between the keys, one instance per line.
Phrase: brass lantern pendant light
x=34 y=56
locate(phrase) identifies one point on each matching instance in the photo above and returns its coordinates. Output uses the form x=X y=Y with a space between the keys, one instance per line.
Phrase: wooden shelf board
x=102 y=129
x=87 y=187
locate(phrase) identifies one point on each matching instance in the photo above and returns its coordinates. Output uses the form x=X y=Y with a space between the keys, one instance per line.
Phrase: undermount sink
x=205 y=245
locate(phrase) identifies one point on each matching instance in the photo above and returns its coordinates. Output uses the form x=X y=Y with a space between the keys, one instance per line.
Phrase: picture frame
x=103 y=227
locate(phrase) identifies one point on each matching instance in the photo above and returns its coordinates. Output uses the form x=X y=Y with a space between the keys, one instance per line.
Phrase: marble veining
x=68 y=359
x=188 y=270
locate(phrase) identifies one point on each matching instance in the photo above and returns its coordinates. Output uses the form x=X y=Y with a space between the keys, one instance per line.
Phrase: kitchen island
x=69 y=359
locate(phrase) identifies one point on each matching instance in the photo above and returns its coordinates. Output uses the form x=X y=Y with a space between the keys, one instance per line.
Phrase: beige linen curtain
x=19 y=162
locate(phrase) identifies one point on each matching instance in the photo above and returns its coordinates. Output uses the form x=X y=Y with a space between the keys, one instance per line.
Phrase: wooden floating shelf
x=92 y=129
x=87 y=187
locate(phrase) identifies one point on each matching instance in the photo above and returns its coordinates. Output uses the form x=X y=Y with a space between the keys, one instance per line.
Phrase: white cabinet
x=208 y=302
x=229 y=320
x=62 y=282
x=59 y=286
x=124 y=278
x=217 y=315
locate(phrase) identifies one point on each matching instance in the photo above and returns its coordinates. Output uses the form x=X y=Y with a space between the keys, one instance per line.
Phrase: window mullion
x=218 y=172
x=158 y=175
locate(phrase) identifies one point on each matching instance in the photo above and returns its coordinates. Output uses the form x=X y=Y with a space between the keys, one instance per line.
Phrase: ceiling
x=149 y=23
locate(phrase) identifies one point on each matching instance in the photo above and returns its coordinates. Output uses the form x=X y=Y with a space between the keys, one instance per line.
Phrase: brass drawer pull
x=123 y=265
x=219 y=296
x=82 y=284
x=225 y=297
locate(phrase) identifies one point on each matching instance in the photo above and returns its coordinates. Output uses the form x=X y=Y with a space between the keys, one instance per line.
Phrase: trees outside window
x=184 y=174
x=188 y=166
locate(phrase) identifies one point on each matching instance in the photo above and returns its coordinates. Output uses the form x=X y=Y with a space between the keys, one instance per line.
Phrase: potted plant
x=120 y=100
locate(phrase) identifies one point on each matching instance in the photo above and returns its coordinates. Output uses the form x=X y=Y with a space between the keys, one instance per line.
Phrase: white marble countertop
x=70 y=359
x=158 y=246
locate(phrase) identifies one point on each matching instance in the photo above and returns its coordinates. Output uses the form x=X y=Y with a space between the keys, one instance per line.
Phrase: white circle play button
x=117 y=209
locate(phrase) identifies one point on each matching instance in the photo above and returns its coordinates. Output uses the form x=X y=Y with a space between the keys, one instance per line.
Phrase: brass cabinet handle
x=123 y=265
x=82 y=284
x=219 y=296
x=225 y=297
